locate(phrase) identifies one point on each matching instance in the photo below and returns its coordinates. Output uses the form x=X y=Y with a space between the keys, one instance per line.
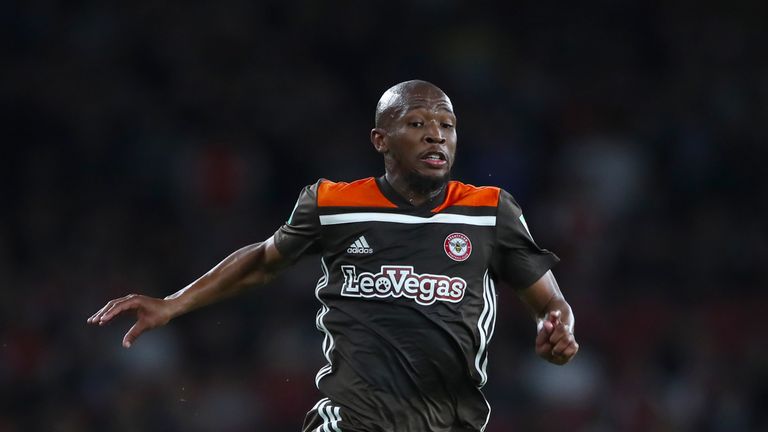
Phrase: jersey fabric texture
x=408 y=300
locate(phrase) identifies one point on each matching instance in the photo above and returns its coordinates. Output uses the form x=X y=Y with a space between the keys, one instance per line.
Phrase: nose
x=434 y=135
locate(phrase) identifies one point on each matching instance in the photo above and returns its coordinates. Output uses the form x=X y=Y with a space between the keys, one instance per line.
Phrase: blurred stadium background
x=145 y=141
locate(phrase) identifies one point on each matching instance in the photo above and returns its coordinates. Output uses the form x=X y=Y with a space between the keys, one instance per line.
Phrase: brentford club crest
x=457 y=246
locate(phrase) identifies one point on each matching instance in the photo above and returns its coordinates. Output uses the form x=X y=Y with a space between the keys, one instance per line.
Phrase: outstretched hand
x=150 y=313
x=555 y=341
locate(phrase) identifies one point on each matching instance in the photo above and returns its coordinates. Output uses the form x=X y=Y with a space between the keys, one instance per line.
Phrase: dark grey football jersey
x=408 y=301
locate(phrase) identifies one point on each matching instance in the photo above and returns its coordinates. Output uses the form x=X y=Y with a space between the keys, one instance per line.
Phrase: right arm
x=249 y=266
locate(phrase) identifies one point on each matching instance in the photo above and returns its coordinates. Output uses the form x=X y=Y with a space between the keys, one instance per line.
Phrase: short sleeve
x=301 y=233
x=517 y=260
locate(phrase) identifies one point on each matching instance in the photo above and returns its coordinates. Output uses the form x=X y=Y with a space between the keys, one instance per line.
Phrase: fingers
x=543 y=347
x=555 y=341
x=546 y=326
x=559 y=332
x=112 y=309
x=560 y=338
x=134 y=333
x=554 y=316
x=561 y=358
x=545 y=332
x=95 y=318
x=564 y=349
x=562 y=345
x=571 y=350
x=119 y=308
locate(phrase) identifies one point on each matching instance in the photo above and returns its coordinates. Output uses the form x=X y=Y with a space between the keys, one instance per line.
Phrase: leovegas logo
x=402 y=281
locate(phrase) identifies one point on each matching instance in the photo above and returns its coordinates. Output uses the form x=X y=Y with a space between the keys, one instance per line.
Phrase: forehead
x=428 y=100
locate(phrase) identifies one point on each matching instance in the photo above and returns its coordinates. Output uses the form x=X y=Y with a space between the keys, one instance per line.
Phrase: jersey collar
x=391 y=194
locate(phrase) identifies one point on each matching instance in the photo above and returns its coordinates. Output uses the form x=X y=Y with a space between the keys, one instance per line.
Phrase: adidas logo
x=360 y=246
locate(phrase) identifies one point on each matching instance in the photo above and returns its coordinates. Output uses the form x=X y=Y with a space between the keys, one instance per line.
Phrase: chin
x=425 y=184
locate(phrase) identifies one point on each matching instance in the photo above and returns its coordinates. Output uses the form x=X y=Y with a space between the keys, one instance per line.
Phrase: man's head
x=416 y=132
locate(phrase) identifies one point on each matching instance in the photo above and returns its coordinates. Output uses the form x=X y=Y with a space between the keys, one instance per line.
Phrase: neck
x=412 y=194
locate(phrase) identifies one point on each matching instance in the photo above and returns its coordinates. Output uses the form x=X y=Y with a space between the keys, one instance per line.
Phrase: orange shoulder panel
x=460 y=194
x=360 y=193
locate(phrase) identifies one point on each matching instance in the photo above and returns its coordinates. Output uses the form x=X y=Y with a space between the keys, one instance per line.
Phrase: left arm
x=555 y=341
x=524 y=266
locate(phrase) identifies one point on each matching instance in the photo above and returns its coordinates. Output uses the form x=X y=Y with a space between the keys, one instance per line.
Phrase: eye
x=416 y=124
x=447 y=125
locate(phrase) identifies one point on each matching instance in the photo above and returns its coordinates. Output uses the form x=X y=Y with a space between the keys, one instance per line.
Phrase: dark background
x=143 y=142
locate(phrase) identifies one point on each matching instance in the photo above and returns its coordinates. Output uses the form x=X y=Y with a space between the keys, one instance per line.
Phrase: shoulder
x=467 y=195
x=359 y=193
x=330 y=186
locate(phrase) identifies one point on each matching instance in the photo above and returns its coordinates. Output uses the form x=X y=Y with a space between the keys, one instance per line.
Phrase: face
x=419 y=139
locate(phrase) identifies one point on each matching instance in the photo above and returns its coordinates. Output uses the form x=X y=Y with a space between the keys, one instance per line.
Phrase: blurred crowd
x=143 y=142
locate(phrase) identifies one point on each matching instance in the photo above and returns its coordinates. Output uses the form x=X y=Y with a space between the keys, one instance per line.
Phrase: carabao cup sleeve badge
x=457 y=246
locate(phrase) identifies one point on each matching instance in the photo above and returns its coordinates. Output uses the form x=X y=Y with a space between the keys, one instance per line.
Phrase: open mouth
x=434 y=158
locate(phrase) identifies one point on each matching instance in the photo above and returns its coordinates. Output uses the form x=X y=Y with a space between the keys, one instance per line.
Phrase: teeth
x=433 y=157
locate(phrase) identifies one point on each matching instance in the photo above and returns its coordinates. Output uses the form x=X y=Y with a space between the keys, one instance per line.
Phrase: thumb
x=545 y=330
x=554 y=317
x=134 y=334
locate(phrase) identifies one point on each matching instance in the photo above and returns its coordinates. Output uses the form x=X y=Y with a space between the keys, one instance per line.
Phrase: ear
x=378 y=141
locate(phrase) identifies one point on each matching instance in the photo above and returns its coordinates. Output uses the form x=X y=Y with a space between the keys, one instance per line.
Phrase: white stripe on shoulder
x=443 y=218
